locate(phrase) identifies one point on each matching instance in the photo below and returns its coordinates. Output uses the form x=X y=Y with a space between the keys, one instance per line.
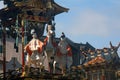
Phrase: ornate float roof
x=38 y=5
x=34 y=11
x=48 y=8
x=59 y=9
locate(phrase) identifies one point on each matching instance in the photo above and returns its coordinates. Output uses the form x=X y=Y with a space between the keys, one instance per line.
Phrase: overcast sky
x=94 y=21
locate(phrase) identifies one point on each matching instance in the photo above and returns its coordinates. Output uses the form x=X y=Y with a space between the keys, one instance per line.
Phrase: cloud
x=91 y=22
x=83 y=20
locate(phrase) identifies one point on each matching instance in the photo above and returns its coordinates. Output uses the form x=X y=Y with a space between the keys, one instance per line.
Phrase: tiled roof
x=105 y=55
x=96 y=60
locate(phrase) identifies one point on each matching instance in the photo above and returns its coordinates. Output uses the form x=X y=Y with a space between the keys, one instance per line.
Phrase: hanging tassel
x=25 y=40
x=17 y=38
x=25 y=35
x=0 y=32
x=1 y=49
x=0 y=39
x=17 y=42
x=17 y=49
x=15 y=45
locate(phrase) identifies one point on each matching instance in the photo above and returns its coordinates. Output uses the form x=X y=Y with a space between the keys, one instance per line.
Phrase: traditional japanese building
x=102 y=64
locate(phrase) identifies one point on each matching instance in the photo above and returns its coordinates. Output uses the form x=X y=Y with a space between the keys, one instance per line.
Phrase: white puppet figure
x=50 y=46
x=49 y=42
x=64 y=54
x=34 y=51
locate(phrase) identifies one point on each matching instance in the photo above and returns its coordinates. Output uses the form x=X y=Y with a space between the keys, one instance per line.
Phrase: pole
x=23 y=61
x=103 y=75
x=4 y=51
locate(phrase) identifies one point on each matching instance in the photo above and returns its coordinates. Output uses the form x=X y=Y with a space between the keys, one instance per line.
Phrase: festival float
x=48 y=57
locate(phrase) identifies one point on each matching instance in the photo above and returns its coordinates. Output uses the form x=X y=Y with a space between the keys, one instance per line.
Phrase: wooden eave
x=31 y=6
x=59 y=9
x=28 y=5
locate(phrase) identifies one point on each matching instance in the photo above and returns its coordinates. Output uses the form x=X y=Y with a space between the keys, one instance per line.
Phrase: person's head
x=50 y=31
x=62 y=36
x=33 y=33
x=52 y=58
x=49 y=27
x=63 y=33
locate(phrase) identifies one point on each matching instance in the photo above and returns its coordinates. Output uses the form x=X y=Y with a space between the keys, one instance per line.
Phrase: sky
x=94 y=21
